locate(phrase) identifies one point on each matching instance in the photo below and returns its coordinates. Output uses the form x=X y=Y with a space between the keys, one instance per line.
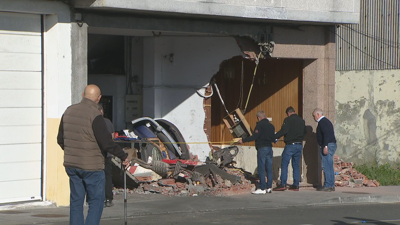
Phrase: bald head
x=92 y=92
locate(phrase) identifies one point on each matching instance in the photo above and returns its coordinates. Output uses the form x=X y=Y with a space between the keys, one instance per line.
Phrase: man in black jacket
x=108 y=164
x=327 y=142
x=293 y=129
x=263 y=136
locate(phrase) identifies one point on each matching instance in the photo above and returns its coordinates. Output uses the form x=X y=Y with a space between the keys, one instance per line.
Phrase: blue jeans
x=82 y=182
x=327 y=165
x=291 y=152
x=264 y=162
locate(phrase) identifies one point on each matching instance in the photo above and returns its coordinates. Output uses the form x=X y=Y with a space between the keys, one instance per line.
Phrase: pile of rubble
x=217 y=176
x=347 y=176
x=214 y=185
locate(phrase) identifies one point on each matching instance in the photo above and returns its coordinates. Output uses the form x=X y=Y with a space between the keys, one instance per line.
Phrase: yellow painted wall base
x=57 y=183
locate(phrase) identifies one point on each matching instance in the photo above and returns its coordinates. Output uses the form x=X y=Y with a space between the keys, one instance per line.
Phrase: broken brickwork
x=347 y=176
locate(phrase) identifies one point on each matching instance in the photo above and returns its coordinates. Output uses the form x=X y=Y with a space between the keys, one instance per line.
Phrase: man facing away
x=263 y=136
x=327 y=142
x=108 y=163
x=293 y=129
x=84 y=138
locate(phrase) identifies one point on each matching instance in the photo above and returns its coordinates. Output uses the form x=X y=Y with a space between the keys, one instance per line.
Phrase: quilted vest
x=80 y=147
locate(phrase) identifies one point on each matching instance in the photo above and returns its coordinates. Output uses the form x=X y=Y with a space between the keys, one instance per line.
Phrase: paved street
x=344 y=206
x=383 y=214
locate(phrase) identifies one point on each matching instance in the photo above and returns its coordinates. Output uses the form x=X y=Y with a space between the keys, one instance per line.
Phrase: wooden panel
x=277 y=85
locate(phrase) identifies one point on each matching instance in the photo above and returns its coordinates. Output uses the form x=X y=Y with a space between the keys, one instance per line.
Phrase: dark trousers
x=108 y=173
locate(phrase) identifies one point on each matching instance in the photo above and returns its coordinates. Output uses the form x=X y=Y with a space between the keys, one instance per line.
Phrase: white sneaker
x=269 y=190
x=259 y=192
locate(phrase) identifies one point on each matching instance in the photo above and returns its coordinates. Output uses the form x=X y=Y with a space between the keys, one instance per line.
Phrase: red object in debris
x=132 y=169
x=166 y=182
x=187 y=162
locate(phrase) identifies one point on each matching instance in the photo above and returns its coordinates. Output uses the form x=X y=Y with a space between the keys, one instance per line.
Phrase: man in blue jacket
x=327 y=142
x=263 y=136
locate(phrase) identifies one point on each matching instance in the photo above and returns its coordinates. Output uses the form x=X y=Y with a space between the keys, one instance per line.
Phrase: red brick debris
x=347 y=176
x=212 y=186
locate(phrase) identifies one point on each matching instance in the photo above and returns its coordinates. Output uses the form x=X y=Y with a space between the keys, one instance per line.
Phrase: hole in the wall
x=277 y=85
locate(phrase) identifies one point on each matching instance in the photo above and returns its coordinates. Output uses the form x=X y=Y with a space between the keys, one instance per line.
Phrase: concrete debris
x=212 y=184
x=346 y=175
x=143 y=174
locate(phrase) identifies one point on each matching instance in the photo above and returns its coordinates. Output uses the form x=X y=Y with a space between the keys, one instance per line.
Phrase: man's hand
x=126 y=163
x=325 y=151
x=240 y=141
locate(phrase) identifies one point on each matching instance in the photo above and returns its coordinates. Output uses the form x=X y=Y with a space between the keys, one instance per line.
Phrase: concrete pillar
x=152 y=78
x=79 y=48
x=319 y=91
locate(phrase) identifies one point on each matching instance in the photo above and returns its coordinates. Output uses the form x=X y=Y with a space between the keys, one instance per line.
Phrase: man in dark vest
x=84 y=138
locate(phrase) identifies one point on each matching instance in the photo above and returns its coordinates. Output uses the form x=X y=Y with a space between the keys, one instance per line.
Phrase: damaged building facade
x=157 y=59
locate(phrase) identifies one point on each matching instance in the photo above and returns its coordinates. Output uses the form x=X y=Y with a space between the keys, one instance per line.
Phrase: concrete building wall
x=367 y=115
x=331 y=11
x=58 y=70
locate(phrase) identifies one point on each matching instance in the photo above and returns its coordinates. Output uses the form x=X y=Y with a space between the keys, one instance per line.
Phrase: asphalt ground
x=156 y=208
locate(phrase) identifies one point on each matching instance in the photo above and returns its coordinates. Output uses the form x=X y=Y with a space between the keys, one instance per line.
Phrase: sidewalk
x=147 y=205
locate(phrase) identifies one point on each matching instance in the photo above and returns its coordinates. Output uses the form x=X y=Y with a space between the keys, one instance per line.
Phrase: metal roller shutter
x=20 y=107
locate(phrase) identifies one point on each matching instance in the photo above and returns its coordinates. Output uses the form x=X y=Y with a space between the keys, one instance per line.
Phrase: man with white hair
x=327 y=142
x=263 y=136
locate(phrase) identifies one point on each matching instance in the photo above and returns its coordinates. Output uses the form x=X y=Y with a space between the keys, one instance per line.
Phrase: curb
x=364 y=199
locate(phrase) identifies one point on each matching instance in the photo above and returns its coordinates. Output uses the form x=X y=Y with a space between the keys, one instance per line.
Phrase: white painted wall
x=58 y=62
x=170 y=83
x=368 y=109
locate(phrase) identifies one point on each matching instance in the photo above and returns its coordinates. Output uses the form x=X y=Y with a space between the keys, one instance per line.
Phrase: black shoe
x=329 y=189
x=321 y=188
x=293 y=188
x=326 y=189
x=108 y=203
x=279 y=188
